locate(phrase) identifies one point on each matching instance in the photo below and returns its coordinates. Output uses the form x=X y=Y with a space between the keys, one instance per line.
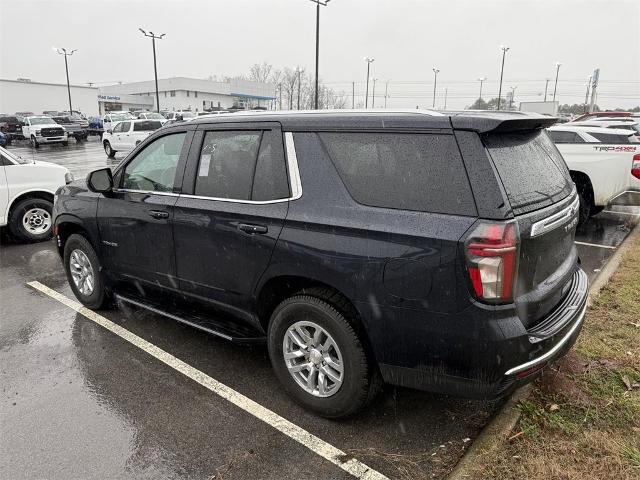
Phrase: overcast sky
x=406 y=38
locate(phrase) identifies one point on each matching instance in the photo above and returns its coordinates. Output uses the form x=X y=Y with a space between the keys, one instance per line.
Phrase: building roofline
x=47 y=83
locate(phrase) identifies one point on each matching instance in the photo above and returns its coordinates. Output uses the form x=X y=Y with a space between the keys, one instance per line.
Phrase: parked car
x=95 y=125
x=152 y=116
x=73 y=128
x=4 y=140
x=27 y=191
x=11 y=127
x=126 y=135
x=601 y=162
x=592 y=115
x=179 y=115
x=110 y=119
x=41 y=129
x=429 y=251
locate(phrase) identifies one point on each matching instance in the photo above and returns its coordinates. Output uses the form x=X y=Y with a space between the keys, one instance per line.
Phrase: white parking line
x=595 y=245
x=313 y=443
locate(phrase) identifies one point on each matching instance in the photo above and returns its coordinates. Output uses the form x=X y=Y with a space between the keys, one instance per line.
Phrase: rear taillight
x=635 y=166
x=491 y=251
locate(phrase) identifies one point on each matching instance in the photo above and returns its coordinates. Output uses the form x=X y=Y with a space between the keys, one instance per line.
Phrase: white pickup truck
x=604 y=164
x=27 y=189
x=40 y=129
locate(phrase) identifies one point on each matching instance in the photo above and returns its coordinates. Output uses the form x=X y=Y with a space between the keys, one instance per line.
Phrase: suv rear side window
x=410 y=171
x=242 y=165
x=532 y=170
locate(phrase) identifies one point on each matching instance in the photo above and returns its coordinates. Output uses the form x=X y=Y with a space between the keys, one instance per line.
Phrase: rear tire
x=584 y=211
x=84 y=272
x=108 y=150
x=359 y=379
x=31 y=220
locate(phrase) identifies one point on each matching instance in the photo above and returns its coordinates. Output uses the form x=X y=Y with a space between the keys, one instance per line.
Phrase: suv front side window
x=154 y=168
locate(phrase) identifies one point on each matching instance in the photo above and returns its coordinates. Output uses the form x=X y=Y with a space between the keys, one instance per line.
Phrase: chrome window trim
x=147 y=192
x=551 y=222
x=292 y=162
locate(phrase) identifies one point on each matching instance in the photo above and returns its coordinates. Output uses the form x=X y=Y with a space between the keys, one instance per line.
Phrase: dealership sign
x=108 y=97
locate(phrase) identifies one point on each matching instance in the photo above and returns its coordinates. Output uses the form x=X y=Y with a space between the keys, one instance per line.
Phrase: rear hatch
x=544 y=203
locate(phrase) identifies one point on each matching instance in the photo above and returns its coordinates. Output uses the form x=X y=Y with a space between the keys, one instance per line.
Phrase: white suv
x=40 y=129
x=27 y=191
x=126 y=135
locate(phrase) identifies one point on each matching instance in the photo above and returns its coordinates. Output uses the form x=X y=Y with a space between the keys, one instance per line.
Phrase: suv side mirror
x=109 y=131
x=100 y=181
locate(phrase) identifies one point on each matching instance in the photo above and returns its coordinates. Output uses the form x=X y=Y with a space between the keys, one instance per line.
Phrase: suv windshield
x=41 y=120
x=62 y=120
x=153 y=116
x=532 y=170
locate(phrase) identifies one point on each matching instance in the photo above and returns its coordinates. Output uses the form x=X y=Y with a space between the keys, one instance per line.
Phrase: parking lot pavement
x=599 y=238
x=80 y=402
x=79 y=157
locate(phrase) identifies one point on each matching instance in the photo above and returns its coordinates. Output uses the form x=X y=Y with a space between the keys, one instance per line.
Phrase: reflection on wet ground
x=79 y=402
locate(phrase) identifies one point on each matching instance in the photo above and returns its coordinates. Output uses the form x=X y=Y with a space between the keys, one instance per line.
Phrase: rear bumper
x=493 y=363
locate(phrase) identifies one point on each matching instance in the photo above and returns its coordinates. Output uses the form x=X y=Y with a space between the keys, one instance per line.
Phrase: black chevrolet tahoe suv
x=419 y=249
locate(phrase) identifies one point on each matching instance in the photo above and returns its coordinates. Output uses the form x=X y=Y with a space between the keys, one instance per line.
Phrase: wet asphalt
x=79 y=402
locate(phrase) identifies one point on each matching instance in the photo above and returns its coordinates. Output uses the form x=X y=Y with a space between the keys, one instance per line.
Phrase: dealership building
x=176 y=93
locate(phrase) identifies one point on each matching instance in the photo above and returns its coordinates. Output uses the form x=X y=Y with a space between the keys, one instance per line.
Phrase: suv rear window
x=532 y=170
x=410 y=171
x=146 y=126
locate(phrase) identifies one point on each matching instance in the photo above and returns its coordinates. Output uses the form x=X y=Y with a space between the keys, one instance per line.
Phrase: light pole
x=555 y=87
x=386 y=91
x=446 y=92
x=586 y=97
x=155 y=68
x=373 y=96
x=324 y=4
x=481 y=80
x=504 y=49
x=299 y=71
x=435 y=81
x=63 y=51
x=366 y=97
x=546 y=86
x=513 y=92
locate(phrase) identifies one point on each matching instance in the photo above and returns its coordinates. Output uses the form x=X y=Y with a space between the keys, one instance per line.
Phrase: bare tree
x=260 y=72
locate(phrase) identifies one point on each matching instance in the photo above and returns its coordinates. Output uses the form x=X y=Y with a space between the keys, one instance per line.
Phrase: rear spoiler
x=496 y=122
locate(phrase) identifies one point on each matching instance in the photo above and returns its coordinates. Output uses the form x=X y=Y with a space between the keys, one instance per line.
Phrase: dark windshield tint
x=146 y=126
x=532 y=170
x=422 y=172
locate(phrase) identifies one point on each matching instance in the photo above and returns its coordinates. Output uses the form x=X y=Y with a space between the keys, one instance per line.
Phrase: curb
x=498 y=429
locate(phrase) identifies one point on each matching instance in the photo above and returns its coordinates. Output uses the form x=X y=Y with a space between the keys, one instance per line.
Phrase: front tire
x=30 y=220
x=108 y=150
x=84 y=272
x=34 y=142
x=319 y=358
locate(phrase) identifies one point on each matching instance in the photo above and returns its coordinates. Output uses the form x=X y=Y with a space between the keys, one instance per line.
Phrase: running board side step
x=223 y=329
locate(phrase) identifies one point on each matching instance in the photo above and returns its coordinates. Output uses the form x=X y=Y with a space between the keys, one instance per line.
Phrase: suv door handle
x=253 y=229
x=159 y=214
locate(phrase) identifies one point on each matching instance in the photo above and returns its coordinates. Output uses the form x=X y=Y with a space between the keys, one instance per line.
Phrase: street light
x=586 y=97
x=504 y=49
x=373 y=96
x=481 y=80
x=435 y=81
x=324 y=4
x=366 y=97
x=63 y=51
x=513 y=92
x=546 y=86
x=155 y=68
x=555 y=87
